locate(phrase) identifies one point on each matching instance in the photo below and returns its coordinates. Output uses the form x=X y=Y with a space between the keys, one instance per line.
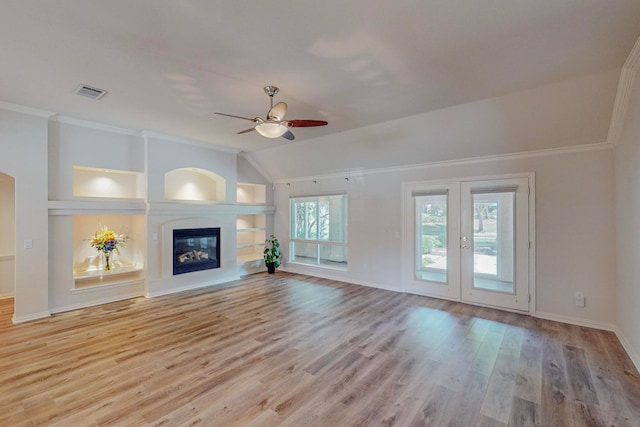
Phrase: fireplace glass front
x=195 y=249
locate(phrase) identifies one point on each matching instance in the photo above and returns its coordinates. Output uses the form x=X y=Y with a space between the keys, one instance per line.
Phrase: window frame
x=317 y=199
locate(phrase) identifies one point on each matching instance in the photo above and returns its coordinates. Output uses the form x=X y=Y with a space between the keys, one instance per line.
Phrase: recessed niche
x=251 y=230
x=194 y=184
x=107 y=183
x=251 y=193
x=89 y=262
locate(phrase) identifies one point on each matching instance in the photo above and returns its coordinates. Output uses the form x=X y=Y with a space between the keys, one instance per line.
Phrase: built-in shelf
x=117 y=271
x=194 y=184
x=251 y=233
x=249 y=258
x=251 y=226
x=116 y=277
x=251 y=193
x=107 y=183
x=128 y=262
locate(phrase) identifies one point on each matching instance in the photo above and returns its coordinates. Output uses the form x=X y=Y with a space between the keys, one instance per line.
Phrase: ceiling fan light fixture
x=271 y=129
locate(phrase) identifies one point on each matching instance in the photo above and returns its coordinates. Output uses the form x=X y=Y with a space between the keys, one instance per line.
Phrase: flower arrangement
x=106 y=241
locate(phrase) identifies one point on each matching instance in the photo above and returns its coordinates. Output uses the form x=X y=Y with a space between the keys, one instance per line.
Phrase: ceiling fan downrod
x=271 y=91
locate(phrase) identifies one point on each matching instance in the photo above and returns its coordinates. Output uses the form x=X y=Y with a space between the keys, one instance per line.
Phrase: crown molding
x=93 y=125
x=26 y=110
x=181 y=140
x=459 y=162
x=621 y=104
x=623 y=94
x=633 y=60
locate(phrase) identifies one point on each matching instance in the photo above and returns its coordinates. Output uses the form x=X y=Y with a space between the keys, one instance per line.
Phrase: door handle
x=465 y=246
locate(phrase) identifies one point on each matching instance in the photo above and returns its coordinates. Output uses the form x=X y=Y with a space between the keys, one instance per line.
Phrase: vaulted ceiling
x=169 y=65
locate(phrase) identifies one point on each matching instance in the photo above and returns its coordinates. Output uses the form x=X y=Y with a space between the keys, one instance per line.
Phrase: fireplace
x=195 y=249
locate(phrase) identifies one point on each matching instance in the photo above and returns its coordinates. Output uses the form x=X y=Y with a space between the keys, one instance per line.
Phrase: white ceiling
x=168 y=65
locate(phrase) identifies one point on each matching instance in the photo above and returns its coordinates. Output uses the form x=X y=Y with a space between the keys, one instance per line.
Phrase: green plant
x=272 y=251
x=428 y=243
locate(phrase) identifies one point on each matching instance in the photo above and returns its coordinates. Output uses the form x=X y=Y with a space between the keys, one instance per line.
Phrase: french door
x=469 y=241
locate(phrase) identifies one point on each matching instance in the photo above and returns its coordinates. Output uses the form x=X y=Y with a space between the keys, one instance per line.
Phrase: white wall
x=574 y=227
x=568 y=113
x=165 y=155
x=7 y=235
x=78 y=143
x=72 y=144
x=627 y=164
x=72 y=219
x=23 y=143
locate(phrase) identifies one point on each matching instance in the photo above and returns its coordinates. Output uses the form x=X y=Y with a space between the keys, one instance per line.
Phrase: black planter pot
x=271 y=267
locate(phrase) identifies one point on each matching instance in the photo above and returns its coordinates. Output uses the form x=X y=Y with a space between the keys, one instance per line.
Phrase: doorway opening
x=469 y=240
x=7 y=241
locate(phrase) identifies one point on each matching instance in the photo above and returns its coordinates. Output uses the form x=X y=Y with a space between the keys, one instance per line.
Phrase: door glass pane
x=431 y=238
x=493 y=242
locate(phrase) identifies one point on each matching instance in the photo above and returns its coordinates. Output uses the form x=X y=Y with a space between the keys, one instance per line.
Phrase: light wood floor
x=291 y=350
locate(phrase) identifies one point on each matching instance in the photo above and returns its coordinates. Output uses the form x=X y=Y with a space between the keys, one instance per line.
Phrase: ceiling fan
x=274 y=125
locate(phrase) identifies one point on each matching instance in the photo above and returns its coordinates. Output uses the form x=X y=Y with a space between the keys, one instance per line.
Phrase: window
x=318 y=233
x=431 y=237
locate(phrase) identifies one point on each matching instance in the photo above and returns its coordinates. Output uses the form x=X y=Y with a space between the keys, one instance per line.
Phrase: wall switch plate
x=579 y=297
x=28 y=244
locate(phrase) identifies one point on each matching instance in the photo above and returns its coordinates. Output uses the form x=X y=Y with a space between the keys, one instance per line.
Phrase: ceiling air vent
x=90 y=92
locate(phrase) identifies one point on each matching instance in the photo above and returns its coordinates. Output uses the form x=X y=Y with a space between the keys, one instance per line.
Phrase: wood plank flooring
x=292 y=350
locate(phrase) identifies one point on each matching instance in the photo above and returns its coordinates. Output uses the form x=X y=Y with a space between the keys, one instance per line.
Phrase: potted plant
x=272 y=255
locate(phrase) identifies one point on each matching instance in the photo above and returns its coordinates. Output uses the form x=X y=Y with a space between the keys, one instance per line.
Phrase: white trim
x=206 y=209
x=249 y=158
x=459 y=162
x=181 y=140
x=407 y=230
x=578 y=321
x=620 y=105
x=226 y=279
x=25 y=110
x=79 y=289
x=97 y=207
x=626 y=344
x=532 y=242
x=35 y=316
x=623 y=94
x=100 y=301
x=94 y=125
x=633 y=60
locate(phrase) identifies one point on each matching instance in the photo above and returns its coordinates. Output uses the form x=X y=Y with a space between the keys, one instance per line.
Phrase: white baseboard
x=337 y=278
x=153 y=294
x=95 y=302
x=30 y=317
x=575 y=321
x=626 y=344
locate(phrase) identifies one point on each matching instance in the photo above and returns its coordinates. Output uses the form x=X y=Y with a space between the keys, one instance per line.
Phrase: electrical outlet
x=579 y=297
x=28 y=244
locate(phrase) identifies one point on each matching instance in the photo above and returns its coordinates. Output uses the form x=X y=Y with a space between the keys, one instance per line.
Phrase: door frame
x=408 y=236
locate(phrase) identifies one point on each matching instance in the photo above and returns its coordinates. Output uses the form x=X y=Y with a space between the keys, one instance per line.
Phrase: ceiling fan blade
x=246 y=130
x=277 y=112
x=305 y=123
x=237 y=117
x=288 y=135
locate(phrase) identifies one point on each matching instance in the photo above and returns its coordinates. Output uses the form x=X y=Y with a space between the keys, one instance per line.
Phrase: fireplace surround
x=195 y=249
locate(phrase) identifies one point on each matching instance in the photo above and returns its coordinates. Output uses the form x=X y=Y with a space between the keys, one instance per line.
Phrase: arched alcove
x=194 y=184
x=7 y=235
